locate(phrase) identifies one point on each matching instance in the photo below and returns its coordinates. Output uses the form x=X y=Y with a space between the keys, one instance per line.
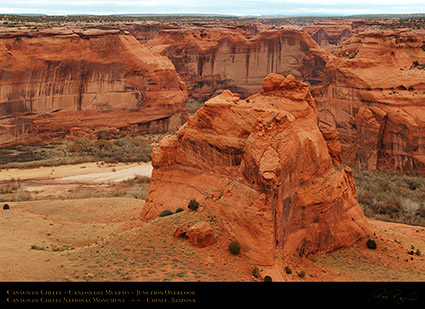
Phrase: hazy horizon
x=218 y=7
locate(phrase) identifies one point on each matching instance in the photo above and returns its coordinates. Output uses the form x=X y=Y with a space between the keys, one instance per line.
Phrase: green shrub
x=301 y=274
x=255 y=271
x=288 y=270
x=179 y=210
x=268 y=279
x=234 y=247
x=371 y=244
x=193 y=204
x=166 y=212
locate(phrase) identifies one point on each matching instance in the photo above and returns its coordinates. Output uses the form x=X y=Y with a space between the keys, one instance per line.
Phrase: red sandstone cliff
x=374 y=94
x=329 y=33
x=212 y=60
x=263 y=166
x=53 y=81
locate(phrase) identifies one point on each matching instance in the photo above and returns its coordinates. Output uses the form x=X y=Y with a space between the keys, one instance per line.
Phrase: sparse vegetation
x=255 y=271
x=288 y=270
x=268 y=279
x=12 y=190
x=107 y=147
x=193 y=106
x=371 y=244
x=165 y=213
x=391 y=196
x=301 y=274
x=234 y=247
x=124 y=149
x=193 y=204
x=417 y=65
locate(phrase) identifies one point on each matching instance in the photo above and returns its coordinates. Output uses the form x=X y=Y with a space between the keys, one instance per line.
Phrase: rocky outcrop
x=265 y=169
x=53 y=81
x=374 y=94
x=213 y=60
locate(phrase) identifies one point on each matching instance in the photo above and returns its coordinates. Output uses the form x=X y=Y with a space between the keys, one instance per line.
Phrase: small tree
x=193 y=204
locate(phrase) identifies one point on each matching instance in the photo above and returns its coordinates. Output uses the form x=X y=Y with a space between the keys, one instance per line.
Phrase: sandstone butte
x=56 y=82
x=265 y=168
x=374 y=95
x=212 y=60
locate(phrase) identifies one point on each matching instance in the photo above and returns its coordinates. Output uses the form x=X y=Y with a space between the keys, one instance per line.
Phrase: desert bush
x=193 y=204
x=268 y=279
x=288 y=270
x=179 y=210
x=371 y=244
x=166 y=212
x=234 y=247
x=255 y=271
x=301 y=274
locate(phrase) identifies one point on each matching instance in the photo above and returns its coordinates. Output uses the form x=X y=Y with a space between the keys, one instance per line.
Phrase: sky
x=229 y=7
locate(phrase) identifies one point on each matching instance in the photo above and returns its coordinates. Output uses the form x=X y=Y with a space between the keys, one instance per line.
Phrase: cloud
x=235 y=7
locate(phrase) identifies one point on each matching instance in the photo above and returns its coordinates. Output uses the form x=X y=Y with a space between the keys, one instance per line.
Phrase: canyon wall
x=264 y=167
x=212 y=60
x=52 y=81
x=374 y=95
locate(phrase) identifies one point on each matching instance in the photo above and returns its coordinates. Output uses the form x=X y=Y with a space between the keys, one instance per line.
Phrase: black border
x=142 y=294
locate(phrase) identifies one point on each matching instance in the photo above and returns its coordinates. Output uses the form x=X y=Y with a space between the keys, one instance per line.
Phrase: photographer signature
x=394 y=296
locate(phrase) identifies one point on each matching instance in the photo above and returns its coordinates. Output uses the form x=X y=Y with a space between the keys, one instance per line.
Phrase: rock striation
x=212 y=60
x=54 y=81
x=265 y=168
x=373 y=94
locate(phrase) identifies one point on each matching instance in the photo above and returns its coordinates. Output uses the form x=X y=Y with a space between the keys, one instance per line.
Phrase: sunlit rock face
x=265 y=168
x=374 y=95
x=215 y=59
x=53 y=81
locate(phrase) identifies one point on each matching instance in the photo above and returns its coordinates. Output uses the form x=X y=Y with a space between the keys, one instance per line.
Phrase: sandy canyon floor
x=103 y=239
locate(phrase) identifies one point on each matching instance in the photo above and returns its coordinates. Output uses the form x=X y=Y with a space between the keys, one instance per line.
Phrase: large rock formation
x=265 y=168
x=212 y=60
x=374 y=95
x=54 y=81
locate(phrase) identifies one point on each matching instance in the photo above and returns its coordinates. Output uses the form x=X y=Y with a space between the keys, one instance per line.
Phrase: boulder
x=201 y=234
